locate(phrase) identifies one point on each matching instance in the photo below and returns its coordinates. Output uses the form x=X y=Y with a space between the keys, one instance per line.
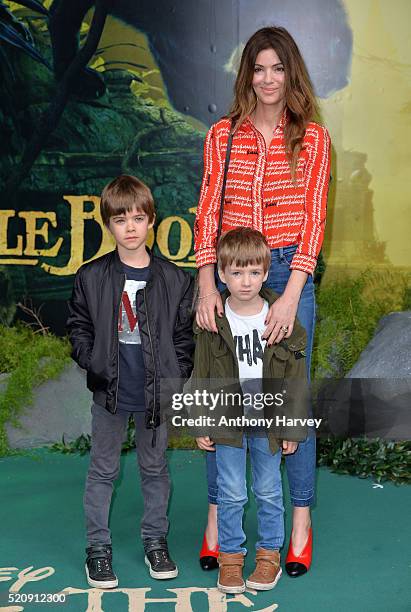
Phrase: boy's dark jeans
x=106 y=440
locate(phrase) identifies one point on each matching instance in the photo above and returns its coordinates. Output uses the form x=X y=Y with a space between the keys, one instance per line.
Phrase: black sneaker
x=99 y=571
x=158 y=560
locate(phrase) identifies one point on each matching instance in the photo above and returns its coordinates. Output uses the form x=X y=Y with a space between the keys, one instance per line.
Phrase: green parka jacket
x=284 y=369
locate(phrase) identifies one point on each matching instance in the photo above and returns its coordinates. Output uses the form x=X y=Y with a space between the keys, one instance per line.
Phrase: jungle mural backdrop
x=90 y=90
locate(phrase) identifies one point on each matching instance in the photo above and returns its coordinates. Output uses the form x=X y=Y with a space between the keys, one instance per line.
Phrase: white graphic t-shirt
x=249 y=346
x=128 y=331
x=131 y=363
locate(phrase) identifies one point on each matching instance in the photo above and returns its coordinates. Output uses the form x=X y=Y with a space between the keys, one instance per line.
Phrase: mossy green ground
x=361 y=536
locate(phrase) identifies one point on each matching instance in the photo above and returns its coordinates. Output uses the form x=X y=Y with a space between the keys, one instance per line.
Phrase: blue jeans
x=301 y=465
x=232 y=494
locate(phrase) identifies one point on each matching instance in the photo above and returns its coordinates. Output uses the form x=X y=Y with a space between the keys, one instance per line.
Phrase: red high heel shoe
x=297 y=565
x=208 y=557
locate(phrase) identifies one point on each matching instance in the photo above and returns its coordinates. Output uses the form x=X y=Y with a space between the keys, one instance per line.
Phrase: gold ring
x=284 y=329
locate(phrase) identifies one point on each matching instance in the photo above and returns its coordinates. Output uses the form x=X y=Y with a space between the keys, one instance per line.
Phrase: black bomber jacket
x=164 y=320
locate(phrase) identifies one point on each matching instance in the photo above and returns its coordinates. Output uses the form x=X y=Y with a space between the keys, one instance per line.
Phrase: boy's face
x=244 y=284
x=130 y=230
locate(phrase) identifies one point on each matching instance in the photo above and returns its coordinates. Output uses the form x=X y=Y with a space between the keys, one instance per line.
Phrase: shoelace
x=232 y=571
x=160 y=555
x=103 y=565
x=265 y=565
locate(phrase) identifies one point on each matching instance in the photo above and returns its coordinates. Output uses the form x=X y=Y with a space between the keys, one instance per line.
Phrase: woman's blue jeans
x=301 y=465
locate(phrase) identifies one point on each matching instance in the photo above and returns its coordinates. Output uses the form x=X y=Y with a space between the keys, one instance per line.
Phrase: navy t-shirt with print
x=130 y=395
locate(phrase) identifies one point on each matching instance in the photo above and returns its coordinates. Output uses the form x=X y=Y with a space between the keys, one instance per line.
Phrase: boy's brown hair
x=123 y=194
x=242 y=247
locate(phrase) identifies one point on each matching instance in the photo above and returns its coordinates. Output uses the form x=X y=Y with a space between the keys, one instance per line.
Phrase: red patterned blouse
x=260 y=192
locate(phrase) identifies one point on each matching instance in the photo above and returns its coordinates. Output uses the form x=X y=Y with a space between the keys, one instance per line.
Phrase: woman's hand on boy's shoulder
x=280 y=320
x=207 y=306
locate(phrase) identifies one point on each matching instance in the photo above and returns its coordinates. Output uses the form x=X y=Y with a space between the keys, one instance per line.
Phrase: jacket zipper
x=154 y=362
x=116 y=339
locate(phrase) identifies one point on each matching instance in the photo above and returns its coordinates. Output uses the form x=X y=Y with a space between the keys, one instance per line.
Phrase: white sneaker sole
x=160 y=575
x=230 y=590
x=260 y=586
x=101 y=584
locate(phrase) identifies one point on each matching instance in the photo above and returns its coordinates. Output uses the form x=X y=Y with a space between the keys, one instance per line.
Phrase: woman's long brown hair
x=300 y=99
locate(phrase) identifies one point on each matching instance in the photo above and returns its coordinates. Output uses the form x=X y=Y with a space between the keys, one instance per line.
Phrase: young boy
x=129 y=326
x=238 y=352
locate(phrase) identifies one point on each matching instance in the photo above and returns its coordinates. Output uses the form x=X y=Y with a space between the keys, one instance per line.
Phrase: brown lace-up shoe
x=230 y=576
x=267 y=572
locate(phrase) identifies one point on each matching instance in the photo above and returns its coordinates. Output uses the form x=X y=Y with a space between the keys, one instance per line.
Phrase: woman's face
x=269 y=78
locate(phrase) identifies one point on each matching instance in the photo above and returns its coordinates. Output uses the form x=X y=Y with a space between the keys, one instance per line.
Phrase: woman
x=277 y=183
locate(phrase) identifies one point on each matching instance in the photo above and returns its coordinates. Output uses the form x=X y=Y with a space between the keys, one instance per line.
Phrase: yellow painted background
x=369 y=121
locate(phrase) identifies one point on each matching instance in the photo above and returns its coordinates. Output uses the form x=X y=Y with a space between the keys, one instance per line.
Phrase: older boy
x=239 y=352
x=129 y=326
